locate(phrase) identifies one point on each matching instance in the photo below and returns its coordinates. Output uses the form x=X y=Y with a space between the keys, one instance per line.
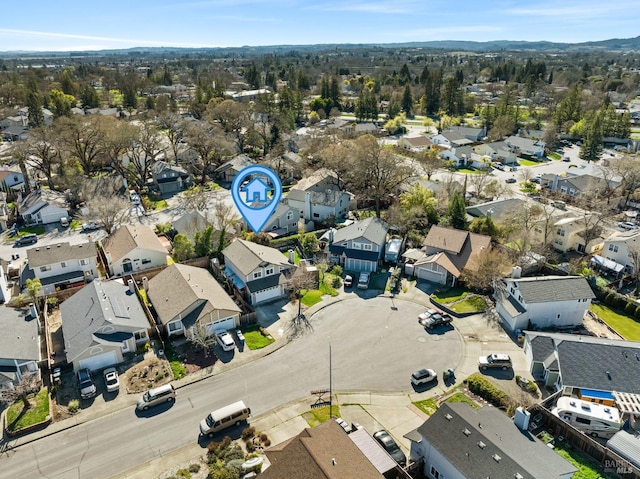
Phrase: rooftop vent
x=517 y=475
x=466 y=432
x=496 y=458
x=481 y=445
x=448 y=417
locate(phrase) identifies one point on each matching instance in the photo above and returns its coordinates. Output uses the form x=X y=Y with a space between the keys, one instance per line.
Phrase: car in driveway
x=495 y=361
x=391 y=446
x=363 y=281
x=423 y=376
x=566 y=159
x=511 y=180
x=85 y=384
x=225 y=341
x=627 y=225
x=348 y=281
x=90 y=226
x=111 y=380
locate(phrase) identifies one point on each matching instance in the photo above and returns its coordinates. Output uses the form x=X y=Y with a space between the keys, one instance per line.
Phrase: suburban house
x=131 y=249
x=59 y=266
x=569 y=235
x=19 y=345
x=5 y=291
x=185 y=297
x=447 y=252
x=588 y=367
x=260 y=272
x=450 y=139
x=320 y=197
x=228 y=170
x=543 y=301
x=101 y=323
x=464 y=156
x=169 y=178
x=283 y=221
x=4 y=211
x=526 y=146
x=41 y=207
x=621 y=248
x=15 y=133
x=326 y=452
x=190 y=223
x=498 y=151
x=360 y=246
x=11 y=179
x=498 y=210
x=472 y=134
x=458 y=442
x=415 y=143
x=577 y=185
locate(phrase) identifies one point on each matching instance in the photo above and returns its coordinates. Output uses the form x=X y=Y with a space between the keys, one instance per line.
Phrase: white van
x=222 y=418
x=591 y=418
x=64 y=222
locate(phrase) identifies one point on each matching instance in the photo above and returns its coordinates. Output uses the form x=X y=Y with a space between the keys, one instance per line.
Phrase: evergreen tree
x=407 y=100
x=35 y=116
x=66 y=83
x=89 y=97
x=592 y=145
x=457 y=212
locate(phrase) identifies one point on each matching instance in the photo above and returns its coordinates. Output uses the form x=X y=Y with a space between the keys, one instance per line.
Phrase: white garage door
x=360 y=265
x=221 y=325
x=433 y=276
x=267 y=294
x=100 y=361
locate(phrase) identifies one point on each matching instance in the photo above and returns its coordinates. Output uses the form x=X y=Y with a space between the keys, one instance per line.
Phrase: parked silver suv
x=495 y=360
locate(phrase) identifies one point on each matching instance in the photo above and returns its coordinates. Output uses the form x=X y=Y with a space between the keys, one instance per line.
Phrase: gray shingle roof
x=101 y=307
x=19 y=338
x=372 y=229
x=247 y=256
x=57 y=253
x=541 y=348
x=456 y=431
x=129 y=237
x=544 y=289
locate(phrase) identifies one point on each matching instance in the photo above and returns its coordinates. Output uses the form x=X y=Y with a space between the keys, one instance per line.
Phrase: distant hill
x=612 y=45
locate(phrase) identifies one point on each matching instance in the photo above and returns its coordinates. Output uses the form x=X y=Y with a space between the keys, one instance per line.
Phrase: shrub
x=621 y=302
x=248 y=432
x=183 y=473
x=263 y=437
x=609 y=299
x=232 y=454
x=337 y=270
x=637 y=312
x=267 y=443
x=250 y=445
x=630 y=308
x=483 y=388
x=74 y=406
x=194 y=468
x=336 y=282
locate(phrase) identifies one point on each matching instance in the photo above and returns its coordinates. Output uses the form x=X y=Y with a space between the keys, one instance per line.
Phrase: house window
x=435 y=473
x=289 y=215
x=558 y=242
x=316 y=215
x=563 y=189
x=84 y=262
x=613 y=247
x=141 y=335
x=572 y=192
x=269 y=271
x=45 y=268
x=63 y=264
x=355 y=245
x=512 y=290
x=175 y=326
x=560 y=232
x=146 y=261
x=257 y=274
x=367 y=247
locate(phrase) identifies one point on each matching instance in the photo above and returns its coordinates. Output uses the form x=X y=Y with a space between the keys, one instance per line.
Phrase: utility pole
x=330 y=384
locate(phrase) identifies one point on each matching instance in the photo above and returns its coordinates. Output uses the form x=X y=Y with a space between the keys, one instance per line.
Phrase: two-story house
x=446 y=253
x=579 y=185
x=569 y=235
x=459 y=442
x=526 y=146
x=624 y=249
x=168 y=178
x=360 y=246
x=543 y=301
x=133 y=248
x=450 y=139
x=228 y=170
x=185 y=296
x=283 y=221
x=61 y=265
x=260 y=272
x=320 y=197
x=101 y=323
x=41 y=207
x=11 y=179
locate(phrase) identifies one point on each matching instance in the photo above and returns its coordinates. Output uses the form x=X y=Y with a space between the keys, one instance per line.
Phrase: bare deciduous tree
x=491 y=265
x=199 y=336
x=109 y=210
x=29 y=384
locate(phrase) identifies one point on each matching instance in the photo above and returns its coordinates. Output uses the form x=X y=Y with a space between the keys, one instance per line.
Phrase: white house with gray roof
x=61 y=265
x=101 y=323
x=185 y=296
x=360 y=246
x=320 y=197
x=259 y=271
x=459 y=442
x=19 y=345
x=543 y=301
x=41 y=207
x=526 y=146
x=133 y=248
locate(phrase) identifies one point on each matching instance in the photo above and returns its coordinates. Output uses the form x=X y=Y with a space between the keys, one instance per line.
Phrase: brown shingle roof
x=129 y=237
x=322 y=452
x=460 y=247
x=446 y=239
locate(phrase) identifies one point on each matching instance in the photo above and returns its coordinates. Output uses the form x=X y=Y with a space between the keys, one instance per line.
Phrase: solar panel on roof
x=118 y=308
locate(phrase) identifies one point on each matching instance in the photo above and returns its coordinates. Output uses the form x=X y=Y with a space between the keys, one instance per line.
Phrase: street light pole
x=330 y=384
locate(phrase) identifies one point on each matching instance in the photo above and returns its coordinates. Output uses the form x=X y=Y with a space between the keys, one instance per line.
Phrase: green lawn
x=459 y=397
x=474 y=304
x=449 y=295
x=18 y=418
x=587 y=468
x=555 y=156
x=321 y=414
x=178 y=369
x=429 y=406
x=312 y=297
x=254 y=339
x=470 y=171
x=624 y=325
x=157 y=205
x=38 y=230
x=524 y=162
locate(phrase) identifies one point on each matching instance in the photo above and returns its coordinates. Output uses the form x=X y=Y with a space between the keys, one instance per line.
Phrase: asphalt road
x=376 y=343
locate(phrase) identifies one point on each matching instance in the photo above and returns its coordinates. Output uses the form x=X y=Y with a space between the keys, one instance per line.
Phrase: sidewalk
x=391 y=411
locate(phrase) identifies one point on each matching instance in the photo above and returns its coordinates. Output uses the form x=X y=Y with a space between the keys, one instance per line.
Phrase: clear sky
x=87 y=25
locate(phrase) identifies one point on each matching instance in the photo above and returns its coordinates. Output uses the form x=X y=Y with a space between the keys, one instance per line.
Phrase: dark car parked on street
x=390 y=445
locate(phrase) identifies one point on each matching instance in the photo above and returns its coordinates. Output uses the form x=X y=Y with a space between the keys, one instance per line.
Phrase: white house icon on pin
x=256 y=190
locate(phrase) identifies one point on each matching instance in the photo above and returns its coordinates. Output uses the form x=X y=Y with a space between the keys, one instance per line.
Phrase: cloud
x=572 y=11
x=385 y=7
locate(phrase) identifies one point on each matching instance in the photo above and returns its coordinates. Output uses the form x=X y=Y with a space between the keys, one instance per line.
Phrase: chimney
x=145 y=284
x=132 y=287
x=516 y=272
x=292 y=257
x=521 y=418
x=32 y=310
x=307 y=206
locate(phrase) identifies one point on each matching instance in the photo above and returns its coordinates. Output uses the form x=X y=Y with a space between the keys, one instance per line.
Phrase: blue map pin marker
x=252 y=199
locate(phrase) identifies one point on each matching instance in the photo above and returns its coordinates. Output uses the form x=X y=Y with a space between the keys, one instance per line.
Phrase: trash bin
x=240 y=339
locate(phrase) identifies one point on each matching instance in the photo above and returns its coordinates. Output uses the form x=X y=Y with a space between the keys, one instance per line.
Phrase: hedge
x=487 y=391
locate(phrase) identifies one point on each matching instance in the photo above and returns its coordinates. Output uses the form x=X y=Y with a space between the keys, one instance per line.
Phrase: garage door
x=221 y=325
x=433 y=276
x=267 y=294
x=99 y=361
x=360 y=265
